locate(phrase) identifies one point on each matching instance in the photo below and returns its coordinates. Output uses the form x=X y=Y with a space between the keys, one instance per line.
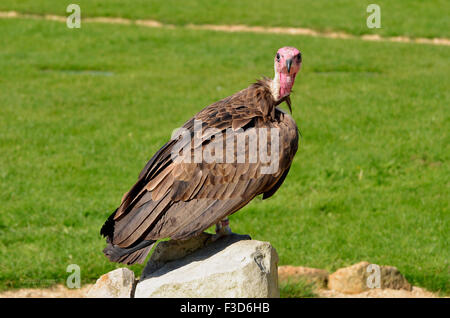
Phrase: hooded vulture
x=230 y=152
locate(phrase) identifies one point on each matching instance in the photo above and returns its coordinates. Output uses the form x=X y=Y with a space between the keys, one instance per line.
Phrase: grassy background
x=416 y=18
x=83 y=110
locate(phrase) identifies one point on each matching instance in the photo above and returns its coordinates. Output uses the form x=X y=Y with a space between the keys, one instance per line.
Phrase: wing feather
x=180 y=200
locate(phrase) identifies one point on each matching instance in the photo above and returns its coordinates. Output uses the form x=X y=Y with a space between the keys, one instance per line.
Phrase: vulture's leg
x=223 y=229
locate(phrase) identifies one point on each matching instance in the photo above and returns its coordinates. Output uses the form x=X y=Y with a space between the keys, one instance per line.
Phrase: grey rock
x=232 y=266
x=167 y=251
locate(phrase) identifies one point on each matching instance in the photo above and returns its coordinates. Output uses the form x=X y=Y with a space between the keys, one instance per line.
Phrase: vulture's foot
x=223 y=229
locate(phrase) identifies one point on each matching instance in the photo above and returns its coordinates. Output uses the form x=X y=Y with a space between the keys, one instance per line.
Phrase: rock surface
x=233 y=266
x=360 y=277
x=172 y=250
x=293 y=274
x=118 y=283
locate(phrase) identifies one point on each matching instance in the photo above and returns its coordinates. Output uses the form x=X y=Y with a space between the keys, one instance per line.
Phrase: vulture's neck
x=275 y=87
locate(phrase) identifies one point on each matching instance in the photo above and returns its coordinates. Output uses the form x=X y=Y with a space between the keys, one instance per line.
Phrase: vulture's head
x=288 y=61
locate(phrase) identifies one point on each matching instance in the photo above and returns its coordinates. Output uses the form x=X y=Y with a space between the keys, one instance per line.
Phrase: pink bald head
x=288 y=61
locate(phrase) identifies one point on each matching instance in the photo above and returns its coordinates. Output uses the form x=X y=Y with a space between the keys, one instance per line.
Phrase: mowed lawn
x=83 y=110
x=414 y=18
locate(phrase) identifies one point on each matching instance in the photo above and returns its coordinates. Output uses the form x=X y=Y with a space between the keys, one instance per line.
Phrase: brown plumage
x=181 y=199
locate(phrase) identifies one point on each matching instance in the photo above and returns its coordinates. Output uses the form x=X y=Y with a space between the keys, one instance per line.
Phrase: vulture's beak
x=288 y=65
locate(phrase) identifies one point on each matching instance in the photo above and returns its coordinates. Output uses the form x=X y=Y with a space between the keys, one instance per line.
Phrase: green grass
x=416 y=18
x=297 y=289
x=83 y=110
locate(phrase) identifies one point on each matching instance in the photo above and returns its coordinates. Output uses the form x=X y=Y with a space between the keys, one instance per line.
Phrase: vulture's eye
x=299 y=57
x=278 y=57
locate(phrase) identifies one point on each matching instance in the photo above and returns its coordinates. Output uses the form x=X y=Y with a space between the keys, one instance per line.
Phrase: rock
x=232 y=266
x=171 y=250
x=294 y=274
x=357 y=278
x=118 y=283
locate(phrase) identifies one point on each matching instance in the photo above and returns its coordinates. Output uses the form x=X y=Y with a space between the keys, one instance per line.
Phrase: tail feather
x=107 y=229
x=128 y=256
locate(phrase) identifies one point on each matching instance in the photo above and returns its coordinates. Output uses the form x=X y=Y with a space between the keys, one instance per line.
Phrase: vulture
x=227 y=154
